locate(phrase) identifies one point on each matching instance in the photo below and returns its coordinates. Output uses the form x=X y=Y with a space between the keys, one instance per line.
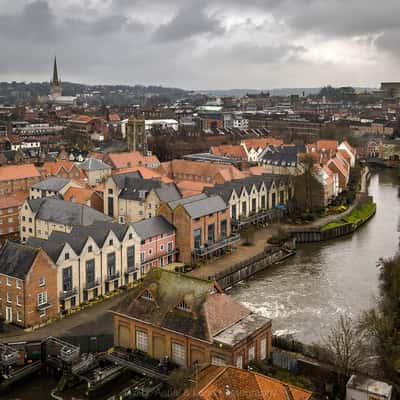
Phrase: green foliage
x=361 y=213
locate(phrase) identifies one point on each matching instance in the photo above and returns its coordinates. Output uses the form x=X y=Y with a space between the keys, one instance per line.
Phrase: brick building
x=14 y=178
x=10 y=206
x=190 y=320
x=28 y=285
x=203 y=226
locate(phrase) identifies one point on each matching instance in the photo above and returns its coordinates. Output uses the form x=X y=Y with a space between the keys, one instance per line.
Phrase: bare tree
x=346 y=346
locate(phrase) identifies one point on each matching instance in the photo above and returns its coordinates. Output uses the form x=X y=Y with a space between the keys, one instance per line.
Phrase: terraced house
x=254 y=198
x=92 y=260
x=40 y=217
x=190 y=321
x=131 y=198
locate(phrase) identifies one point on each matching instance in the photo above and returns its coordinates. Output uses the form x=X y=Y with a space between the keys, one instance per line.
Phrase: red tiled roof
x=81 y=118
x=234 y=151
x=262 y=143
x=79 y=195
x=12 y=172
x=114 y=117
x=231 y=383
x=132 y=159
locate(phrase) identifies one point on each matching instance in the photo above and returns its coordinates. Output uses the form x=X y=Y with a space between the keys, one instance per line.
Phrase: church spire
x=55 y=72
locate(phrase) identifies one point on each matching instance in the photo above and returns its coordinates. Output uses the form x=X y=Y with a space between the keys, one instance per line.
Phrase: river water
x=307 y=293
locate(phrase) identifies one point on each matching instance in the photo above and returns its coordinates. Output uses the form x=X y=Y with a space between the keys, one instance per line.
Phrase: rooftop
x=13 y=172
x=151 y=227
x=52 y=184
x=370 y=386
x=93 y=164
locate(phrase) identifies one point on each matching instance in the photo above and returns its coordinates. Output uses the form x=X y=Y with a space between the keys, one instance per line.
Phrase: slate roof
x=52 y=184
x=16 y=259
x=169 y=289
x=151 y=227
x=65 y=212
x=93 y=164
x=121 y=179
x=52 y=248
x=207 y=206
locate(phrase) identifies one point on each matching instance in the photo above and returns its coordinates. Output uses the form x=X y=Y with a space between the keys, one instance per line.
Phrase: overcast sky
x=202 y=44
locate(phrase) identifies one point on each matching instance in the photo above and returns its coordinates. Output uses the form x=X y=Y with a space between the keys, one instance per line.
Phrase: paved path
x=94 y=320
x=241 y=253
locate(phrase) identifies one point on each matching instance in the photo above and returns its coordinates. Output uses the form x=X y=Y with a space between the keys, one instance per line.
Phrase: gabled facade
x=28 y=285
x=191 y=321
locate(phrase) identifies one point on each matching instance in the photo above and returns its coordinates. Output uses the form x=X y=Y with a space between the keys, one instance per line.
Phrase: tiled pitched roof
x=93 y=164
x=200 y=205
x=16 y=259
x=79 y=195
x=234 y=151
x=151 y=227
x=262 y=143
x=231 y=383
x=132 y=159
x=206 y=315
x=23 y=171
x=81 y=118
x=65 y=212
x=52 y=184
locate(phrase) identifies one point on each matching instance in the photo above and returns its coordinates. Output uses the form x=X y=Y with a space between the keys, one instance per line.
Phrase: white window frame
x=18 y=300
x=8 y=282
x=19 y=319
x=8 y=298
x=178 y=353
x=42 y=281
x=142 y=341
x=263 y=348
x=18 y=284
x=41 y=298
x=239 y=361
x=252 y=352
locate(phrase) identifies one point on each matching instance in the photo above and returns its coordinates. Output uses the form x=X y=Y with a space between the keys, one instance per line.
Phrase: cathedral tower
x=55 y=84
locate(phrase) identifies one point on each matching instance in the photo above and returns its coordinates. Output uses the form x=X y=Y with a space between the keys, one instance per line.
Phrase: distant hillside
x=273 y=92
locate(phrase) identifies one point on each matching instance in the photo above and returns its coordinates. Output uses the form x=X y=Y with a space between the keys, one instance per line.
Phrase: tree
x=247 y=233
x=346 y=347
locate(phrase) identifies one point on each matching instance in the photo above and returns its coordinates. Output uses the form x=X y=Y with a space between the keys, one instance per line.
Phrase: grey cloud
x=189 y=21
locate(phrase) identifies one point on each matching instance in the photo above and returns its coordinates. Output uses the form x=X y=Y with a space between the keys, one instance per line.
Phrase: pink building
x=157 y=248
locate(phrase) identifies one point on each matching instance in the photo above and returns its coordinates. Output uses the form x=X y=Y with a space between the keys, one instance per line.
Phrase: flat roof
x=241 y=329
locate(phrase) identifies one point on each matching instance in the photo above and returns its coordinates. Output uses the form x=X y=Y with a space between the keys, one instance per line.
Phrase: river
x=307 y=293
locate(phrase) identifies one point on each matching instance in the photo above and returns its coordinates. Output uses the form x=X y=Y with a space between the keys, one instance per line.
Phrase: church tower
x=55 y=84
x=136 y=135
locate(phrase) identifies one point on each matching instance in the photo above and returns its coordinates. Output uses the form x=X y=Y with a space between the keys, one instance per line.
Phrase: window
x=183 y=306
x=244 y=208
x=18 y=284
x=273 y=200
x=42 y=298
x=42 y=281
x=110 y=242
x=263 y=202
x=178 y=353
x=142 y=257
x=130 y=236
x=23 y=229
x=150 y=252
x=30 y=220
x=67 y=279
x=19 y=316
x=161 y=247
x=110 y=191
x=111 y=264
x=170 y=247
x=90 y=273
x=239 y=361
x=130 y=256
x=19 y=301
x=211 y=233
x=147 y=295
x=30 y=230
x=8 y=297
x=141 y=341
x=216 y=360
x=253 y=205
x=252 y=353
x=23 y=218
x=8 y=281
x=263 y=348
x=197 y=238
x=224 y=229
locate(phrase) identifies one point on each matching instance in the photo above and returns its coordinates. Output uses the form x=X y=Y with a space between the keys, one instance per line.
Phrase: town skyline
x=202 y=46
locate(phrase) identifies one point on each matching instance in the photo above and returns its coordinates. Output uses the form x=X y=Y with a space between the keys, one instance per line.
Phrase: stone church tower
x=55 y=84
x=136 y=135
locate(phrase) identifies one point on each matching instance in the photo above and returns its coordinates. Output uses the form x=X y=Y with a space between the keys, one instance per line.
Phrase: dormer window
x=147 y=295
x=183 y=306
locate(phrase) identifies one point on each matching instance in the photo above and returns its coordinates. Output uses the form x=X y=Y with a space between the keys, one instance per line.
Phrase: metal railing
x=132 y=269
x=258 y=216
x=92 y=285
x=113 y=277
x=67 y=294
x=211 y=247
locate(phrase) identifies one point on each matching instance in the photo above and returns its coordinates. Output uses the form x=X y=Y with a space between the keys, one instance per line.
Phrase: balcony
x=131 y=270
x=113 y=277
x=210 y=248
x=258 y=217
x=92 y=285
x=158 y=256
x=67 y=294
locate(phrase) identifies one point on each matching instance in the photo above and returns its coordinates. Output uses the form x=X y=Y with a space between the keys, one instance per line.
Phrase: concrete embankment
x=245 y=269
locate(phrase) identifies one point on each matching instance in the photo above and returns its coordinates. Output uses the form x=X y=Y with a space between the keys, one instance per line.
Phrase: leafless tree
x=346 y=346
